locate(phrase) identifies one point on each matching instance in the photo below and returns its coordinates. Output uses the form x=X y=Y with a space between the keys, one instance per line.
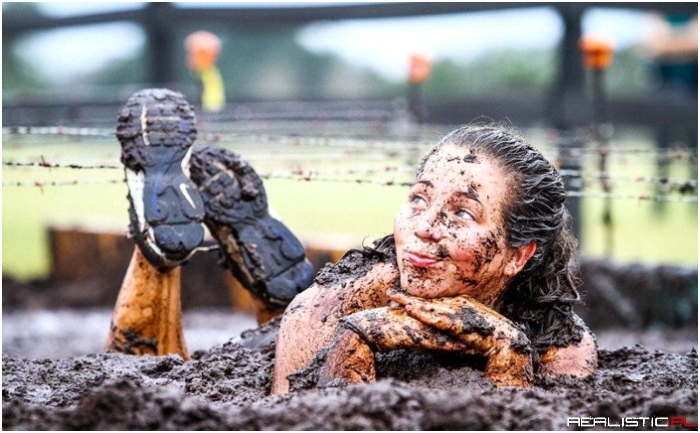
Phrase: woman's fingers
x=434 y=314
x=398 y=296
x=452 y=315
x=391 y=328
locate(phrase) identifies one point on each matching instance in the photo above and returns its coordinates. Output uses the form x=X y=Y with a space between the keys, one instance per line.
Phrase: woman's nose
x=429 y=228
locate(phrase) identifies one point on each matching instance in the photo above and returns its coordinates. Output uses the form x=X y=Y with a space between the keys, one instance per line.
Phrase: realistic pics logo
x=626 y=422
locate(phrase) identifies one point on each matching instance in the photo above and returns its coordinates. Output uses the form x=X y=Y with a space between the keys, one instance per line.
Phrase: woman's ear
x=520 y=257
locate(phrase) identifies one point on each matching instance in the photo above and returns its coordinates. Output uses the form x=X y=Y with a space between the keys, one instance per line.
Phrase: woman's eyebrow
x=470 y=194
x=427 y=183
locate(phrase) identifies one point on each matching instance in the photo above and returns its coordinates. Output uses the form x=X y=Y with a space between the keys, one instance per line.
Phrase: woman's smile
x=420 y=260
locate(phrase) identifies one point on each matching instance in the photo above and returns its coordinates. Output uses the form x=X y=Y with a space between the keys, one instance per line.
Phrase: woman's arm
x=483 y=330
x=350 y=356
x=446 y=324
x=310 y=321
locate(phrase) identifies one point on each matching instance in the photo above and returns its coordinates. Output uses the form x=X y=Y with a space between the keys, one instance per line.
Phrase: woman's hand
x=350 y=355
x=507 y=349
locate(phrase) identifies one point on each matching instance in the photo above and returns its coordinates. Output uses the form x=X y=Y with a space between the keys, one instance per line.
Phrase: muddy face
x=449 y=234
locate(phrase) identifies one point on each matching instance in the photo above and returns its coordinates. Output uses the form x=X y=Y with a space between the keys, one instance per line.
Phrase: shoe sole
x=156 y=129
x=261 y=252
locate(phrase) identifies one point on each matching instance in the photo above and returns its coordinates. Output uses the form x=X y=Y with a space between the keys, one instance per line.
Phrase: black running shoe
x=261 y=252
x=156 y=130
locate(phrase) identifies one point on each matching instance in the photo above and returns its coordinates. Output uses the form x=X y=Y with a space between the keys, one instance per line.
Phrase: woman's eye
x=464 y=214
x=417 y=200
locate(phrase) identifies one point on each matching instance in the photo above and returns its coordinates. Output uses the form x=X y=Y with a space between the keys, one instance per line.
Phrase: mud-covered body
x=330 y=334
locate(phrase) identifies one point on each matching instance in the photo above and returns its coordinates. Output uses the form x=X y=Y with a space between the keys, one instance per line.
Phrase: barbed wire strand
x=566 y=173
x=45 y=164
x=390 y=182
x=371 y=141
x=640 y=197
x=660 y=180
x=58 y=130
x=71 y=182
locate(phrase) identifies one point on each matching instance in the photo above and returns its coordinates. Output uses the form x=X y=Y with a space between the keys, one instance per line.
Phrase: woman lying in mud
x=478 y=263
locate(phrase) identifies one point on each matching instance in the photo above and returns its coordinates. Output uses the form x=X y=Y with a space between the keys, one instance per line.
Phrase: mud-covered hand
x=350 y=356
x=507 y=349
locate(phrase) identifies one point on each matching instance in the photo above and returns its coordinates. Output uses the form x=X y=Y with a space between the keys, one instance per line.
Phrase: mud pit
x=227 y=387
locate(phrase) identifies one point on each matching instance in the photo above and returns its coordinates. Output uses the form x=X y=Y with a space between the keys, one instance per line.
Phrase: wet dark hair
x=541 y=296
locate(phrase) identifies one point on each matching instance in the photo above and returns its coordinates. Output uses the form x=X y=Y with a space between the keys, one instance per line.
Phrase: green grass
x=27 y=212
x=641 y=235
x=315 y=208
x=643 y=231
x=311 y=209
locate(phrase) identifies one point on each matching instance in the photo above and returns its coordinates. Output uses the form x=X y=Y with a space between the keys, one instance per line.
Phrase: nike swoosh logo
x=183 y=189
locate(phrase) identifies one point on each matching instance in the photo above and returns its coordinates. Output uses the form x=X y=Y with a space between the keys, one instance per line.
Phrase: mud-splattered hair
x=542 y=295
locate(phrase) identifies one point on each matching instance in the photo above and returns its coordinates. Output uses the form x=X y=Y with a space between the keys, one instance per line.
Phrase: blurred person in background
x=203 y=50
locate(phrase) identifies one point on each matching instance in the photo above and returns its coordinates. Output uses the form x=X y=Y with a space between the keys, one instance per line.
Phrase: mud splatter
x=491 y=247
x=473 y=191
x=356 y=263
x=472 y=321
x=469 y=282
x=470 y=158
x=486 y=251
x=131 y=341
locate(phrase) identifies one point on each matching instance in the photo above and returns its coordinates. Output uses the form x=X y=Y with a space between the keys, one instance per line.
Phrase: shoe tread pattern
x=156 y=128
x=267 y=257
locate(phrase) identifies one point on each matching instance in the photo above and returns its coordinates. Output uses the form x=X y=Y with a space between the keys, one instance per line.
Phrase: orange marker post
x=598 y=56
x=597 y=52
x=420 y=67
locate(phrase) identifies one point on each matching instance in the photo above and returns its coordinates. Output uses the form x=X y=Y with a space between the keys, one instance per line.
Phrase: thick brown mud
x=227 y=387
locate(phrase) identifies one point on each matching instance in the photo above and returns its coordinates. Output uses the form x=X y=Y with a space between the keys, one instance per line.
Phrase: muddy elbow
x=507 y=367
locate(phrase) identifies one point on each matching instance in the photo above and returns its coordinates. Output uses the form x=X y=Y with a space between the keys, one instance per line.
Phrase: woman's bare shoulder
x=579 y=358
x=358 y=281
